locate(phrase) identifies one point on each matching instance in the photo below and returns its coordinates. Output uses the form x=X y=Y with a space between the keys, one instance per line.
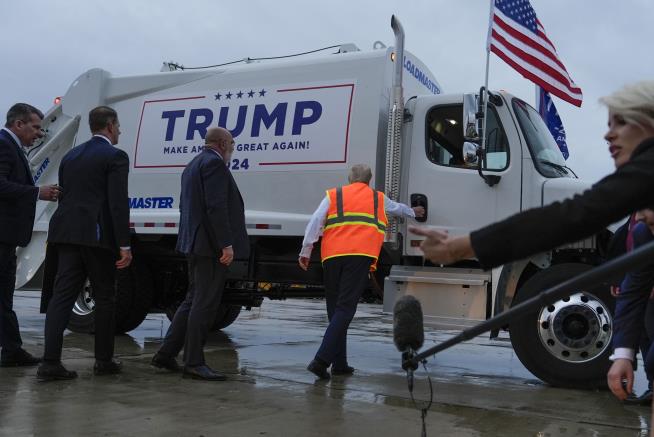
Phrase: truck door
x=457 y=198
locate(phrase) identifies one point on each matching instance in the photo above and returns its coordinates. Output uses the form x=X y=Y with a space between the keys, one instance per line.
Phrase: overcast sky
x=604 y=45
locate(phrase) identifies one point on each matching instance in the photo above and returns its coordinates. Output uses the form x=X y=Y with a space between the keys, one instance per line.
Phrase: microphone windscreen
x=408 y=331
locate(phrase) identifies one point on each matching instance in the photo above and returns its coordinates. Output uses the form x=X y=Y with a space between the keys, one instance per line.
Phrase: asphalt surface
x=480 y=387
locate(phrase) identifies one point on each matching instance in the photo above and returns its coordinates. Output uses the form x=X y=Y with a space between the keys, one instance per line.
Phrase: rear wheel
x=567 y=343
x=225 y=316
x=134 y=291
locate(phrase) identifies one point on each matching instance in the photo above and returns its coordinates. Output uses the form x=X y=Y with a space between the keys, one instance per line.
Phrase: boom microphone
x=408 y=332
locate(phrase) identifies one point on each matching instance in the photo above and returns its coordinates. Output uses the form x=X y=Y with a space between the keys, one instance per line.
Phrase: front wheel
x=567 y=343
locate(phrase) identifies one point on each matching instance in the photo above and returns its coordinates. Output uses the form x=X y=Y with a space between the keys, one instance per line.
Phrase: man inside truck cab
x=352 y=222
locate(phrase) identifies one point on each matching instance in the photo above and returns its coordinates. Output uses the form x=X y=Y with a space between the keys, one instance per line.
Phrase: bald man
x=211 y=234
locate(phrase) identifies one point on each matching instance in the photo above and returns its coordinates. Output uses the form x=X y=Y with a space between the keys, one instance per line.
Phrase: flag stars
x=262 y=93
x=217 y=96
x=239 y=94
x=228 y=95
x=251 y=94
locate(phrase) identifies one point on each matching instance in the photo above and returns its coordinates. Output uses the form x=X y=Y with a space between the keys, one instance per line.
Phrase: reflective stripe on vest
x=356 y=222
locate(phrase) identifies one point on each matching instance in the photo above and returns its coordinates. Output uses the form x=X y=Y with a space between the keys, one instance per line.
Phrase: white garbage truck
x=299 y=123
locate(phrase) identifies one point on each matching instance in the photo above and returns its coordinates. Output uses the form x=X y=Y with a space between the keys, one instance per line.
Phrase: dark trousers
x=346 y=278
x=10 y=340
x=196 y=315
x=76 y=264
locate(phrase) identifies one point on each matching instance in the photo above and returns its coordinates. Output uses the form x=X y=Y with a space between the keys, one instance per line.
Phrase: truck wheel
x=225 y=316
x=566 y=344
x=134 y=293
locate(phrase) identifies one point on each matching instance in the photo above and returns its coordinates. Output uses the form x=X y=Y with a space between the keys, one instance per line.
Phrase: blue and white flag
x=547 y=110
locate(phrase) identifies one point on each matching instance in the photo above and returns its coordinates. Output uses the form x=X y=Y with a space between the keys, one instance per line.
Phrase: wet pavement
x=480 y=387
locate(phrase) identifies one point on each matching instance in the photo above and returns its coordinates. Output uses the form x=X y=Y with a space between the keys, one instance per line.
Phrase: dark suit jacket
x=628 y=189
x=94 y=207
x=18 y=195
x=212 y=214
x=631 y=303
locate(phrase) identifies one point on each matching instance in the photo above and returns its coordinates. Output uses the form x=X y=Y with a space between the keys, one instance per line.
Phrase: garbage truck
x=299 y=123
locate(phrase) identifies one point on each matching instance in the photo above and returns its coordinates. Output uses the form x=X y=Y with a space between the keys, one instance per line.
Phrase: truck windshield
x=544 y=151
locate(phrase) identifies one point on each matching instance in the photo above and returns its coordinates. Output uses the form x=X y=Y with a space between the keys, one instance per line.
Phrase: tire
x=566 y=344
x=134 y=291
x=225 y=316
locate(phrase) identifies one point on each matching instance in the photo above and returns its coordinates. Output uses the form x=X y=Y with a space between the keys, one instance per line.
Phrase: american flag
x=518 y=37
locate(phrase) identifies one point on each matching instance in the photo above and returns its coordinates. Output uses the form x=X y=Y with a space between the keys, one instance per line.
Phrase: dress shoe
x=54 y=372
x=164 y=362
x=20 y=358
x=644 y=399
x=203 y=372
x=318 y=369
x=343 y=371
x=111 y=367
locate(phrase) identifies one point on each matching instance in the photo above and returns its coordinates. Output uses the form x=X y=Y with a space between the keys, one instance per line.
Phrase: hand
x=622 y=369
x=49 y=192
x=419 y=211
x=304 y=263
x=440 y=248
x=615 y=290
x=228 y=256
x=125 y=259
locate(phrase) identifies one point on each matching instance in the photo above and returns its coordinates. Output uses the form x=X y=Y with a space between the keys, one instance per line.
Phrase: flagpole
x=485 y=96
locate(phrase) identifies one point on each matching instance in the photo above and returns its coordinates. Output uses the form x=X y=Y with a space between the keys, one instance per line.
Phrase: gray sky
x=604 y=45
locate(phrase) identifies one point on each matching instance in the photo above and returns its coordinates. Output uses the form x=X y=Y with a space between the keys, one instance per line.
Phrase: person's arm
x=118 y=200
x=313 y=232
x=215 y=178
x=401 y=210
x=626 y=190
x=10 y=190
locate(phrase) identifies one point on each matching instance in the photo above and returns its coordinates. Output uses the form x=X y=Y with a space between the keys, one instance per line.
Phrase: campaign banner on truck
x=274 y=127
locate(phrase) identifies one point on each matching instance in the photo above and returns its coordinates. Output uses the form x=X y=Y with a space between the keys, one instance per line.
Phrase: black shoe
x=111 y=367
x=164 y=362
x=203 y=372
x=318 y=369
x=644 y=399
x=54 y=372
x=345 y=371
x=20 y=358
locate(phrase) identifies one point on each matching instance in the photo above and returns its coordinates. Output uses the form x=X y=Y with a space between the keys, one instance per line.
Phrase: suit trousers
x=197 y=313
x=10 y=340
x=76 y=264
x=346 y=278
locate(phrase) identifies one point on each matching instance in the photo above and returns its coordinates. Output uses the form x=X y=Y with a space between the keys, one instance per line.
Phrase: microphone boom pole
x=630 y=261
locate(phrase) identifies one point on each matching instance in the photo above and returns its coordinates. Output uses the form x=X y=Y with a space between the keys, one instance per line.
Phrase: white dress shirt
x=316 y=224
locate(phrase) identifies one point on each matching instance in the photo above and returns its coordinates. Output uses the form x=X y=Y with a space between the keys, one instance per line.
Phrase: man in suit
x=90 y=230
x=18 y=197
x=211 y=233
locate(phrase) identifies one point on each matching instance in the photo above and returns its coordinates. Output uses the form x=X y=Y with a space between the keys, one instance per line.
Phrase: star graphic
x=228 y=95
x=218 y=96
x=262 y=93
x=239 y=94
x=251 y=93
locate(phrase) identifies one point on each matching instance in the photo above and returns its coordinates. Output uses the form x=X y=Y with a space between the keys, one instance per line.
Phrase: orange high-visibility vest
x=356 y=222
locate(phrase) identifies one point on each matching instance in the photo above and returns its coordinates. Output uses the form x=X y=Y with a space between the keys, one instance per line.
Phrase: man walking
x=354 y=221
x=18 y=197
x=90 y=232
x=211 y=233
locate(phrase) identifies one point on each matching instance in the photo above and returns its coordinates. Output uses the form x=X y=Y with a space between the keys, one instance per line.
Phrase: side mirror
x=470 y=103
x=470 y=153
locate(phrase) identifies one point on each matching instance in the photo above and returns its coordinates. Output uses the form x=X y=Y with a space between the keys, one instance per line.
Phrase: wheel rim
x=85 y=304
x=576 y=329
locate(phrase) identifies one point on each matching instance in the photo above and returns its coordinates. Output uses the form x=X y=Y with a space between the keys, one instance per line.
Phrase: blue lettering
x=150 y=202
x=299 y=119
x=195 y=126
x=240 y=120
x=172 y=116
x=261 y=115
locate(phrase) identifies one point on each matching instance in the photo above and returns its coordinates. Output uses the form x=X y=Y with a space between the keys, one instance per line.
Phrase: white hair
x=634 y=102
x=360 y=173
